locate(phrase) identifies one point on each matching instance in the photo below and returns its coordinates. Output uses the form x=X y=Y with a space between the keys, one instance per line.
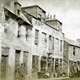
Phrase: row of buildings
x=28 y=36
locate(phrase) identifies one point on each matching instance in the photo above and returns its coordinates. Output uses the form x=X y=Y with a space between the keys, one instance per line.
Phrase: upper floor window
x=18 y=35
x=60 y=45
x=44 y=37
x=53 y=43
x=50 y=42
x=56 y=44
x=74 y=50
x=36 y=36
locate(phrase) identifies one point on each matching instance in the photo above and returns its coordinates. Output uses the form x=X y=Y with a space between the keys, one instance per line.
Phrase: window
x=74 y=50
x=36 y=36
x=60 y=45
x=44 y=40
x=56 y=45
x=17 y=58
x=39 y=17
x=50 y=44
x=53 y=43
x=18 y=35
x=18 y=12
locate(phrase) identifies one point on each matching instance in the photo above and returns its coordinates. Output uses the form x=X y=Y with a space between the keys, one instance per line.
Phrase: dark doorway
x=4 y=66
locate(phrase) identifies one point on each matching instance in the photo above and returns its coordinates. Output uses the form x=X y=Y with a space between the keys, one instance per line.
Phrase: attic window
x=18 y=12
x=39 y=17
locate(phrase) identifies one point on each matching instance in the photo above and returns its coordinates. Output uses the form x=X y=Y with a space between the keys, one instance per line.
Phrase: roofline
x=17 y=3
x=28 y=13
x=18 y=17
x=47 y=20
x=33 y=6
x=72 y=44
x=51 y=26
x=37 y=19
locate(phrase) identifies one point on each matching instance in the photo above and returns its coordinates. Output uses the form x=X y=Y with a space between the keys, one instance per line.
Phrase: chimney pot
x=54 y=16
x=50 y=16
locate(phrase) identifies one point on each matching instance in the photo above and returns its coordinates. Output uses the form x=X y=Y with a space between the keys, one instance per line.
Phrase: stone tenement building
x=31 y=39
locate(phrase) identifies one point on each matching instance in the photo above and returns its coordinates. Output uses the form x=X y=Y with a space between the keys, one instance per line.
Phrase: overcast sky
x=66 y=11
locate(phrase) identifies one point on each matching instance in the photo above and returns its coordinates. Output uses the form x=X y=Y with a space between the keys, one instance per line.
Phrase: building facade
x=73 y=57
x=47 y=43
x=32 y=45
x=14 y=40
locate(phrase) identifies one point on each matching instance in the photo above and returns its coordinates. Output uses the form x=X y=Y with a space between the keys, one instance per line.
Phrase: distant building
x=73 y=50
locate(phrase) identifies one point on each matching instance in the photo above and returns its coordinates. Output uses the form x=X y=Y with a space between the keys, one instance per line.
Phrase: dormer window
x=39 y=17
x=17 y=8
x=18 y=12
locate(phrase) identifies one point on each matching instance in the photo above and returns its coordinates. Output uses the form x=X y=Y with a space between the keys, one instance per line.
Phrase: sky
x=66 y=11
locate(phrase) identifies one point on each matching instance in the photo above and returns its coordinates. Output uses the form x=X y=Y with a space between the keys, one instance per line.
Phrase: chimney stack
x=54 y=16
x=50 y=16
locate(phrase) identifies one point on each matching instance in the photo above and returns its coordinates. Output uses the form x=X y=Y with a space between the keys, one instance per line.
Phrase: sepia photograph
x=39 y=40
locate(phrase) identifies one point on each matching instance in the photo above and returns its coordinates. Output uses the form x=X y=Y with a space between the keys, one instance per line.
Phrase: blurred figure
x=17 y=73
x=21 y=72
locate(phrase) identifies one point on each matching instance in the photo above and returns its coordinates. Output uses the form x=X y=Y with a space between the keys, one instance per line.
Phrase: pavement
x=78 y=78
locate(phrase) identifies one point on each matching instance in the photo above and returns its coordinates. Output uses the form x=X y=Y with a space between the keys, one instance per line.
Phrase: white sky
x=66 y=11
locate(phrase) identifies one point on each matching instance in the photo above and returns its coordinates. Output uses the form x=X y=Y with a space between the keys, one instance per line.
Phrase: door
x=35 y=64
x=4 y=66
x=25 y=61
x=17 y=63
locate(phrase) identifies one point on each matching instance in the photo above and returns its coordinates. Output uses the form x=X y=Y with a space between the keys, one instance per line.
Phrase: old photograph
x=40 y=40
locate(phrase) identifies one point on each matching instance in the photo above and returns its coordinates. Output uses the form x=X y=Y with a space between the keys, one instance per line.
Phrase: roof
x=71 y=42
x=47 y=20
x=17 y=3
x=22 y=19
x=51 y=26
x=34 y=6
